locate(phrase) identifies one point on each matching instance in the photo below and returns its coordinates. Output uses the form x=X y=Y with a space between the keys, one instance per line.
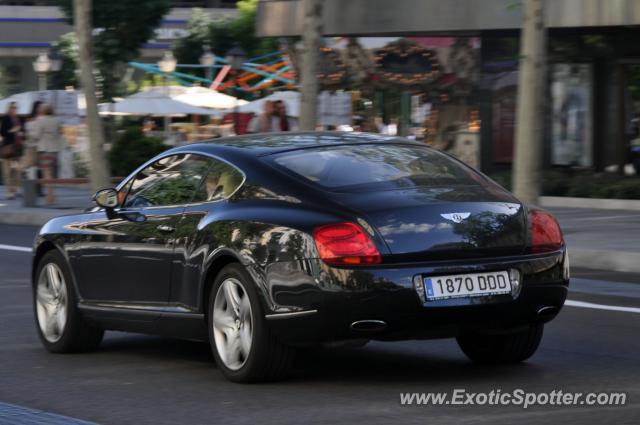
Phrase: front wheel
x=61 y=327
x=503 y=348
x=242 y=343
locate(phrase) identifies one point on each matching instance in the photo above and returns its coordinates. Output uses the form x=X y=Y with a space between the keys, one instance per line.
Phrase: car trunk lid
x=443 y=223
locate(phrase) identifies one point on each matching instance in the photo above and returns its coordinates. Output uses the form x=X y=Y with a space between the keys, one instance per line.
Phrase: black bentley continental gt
x=267 y=243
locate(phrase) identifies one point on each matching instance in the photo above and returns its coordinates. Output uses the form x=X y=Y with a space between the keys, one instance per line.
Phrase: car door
x=193 y=245
x=128 y=255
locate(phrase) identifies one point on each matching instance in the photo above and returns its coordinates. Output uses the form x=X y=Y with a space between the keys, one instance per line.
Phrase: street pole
x=98 y=170
x=312 y=33
x=42 y=81
x=167 y=65
x=236 y=58
x=236 y=129
x=166 y=120
x=531 y=93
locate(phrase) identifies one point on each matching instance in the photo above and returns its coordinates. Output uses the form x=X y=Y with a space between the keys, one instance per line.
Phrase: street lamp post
x=236 y=57
x=208 y=59
x=45 y=63
x=41 y=66
x=167 y=65
x=55 y=58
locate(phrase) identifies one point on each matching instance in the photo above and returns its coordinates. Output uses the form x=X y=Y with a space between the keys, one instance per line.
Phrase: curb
x=618 y=261
x=599 y=204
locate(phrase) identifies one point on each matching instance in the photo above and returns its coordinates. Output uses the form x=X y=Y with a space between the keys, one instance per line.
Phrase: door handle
x=166 y=228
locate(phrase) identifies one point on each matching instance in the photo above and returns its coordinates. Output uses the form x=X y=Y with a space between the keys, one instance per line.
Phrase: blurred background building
x=32 y=26
x=448 y=71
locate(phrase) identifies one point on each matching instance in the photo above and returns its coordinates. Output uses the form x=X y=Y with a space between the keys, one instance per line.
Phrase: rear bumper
x=331 y=299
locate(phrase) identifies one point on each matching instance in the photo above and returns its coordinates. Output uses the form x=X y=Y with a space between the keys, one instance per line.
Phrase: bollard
x=30 y=188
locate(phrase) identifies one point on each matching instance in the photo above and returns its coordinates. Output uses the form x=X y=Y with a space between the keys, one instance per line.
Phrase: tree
x=530 y=116
x=634 y=81
x=99 y=173
x=312 y=32
x=220 y=35
x=68 y=74
x=132 y=149
x=122 y=28
x=189 y=48
x=243 y=30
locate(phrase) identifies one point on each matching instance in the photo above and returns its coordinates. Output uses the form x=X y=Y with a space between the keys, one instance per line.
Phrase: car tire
x=59 y=322
x=503 y=348
x=232 y=323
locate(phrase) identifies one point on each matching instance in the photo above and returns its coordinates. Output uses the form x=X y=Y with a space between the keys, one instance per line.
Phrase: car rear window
x=377 y=166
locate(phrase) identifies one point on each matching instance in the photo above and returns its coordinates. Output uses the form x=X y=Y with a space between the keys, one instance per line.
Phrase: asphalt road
x=136 y=379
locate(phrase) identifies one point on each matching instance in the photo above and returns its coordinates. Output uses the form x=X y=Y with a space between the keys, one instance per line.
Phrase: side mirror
x=106 y=198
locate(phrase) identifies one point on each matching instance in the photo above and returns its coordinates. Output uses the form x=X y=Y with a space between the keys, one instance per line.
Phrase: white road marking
x=15 y=248
x=582 y=304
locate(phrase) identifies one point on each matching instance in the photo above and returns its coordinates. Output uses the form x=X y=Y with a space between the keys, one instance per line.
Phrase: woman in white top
x=46 y=131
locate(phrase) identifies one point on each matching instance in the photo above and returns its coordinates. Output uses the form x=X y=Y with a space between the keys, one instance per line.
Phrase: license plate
x=467 y=285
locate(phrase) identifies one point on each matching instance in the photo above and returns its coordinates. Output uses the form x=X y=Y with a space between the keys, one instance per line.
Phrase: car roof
x=269 y=143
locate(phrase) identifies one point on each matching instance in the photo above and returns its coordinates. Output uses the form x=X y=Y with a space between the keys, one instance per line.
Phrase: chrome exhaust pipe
x=368 y=326
x=547 y=312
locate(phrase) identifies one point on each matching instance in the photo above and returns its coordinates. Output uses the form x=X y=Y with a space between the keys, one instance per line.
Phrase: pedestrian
x=30 y=155
x=265 y=122
x=47 y=132
x=284 y=122
x=11 y=149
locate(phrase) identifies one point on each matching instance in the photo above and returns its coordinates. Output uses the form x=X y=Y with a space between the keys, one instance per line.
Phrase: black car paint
x=132 y=276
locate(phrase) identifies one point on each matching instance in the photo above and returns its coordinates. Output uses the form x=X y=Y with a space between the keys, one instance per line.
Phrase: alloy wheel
x=232 y=323
x=51 y=302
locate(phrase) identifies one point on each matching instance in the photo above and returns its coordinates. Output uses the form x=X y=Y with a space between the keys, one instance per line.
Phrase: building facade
x=28 y=27
x=593 y=97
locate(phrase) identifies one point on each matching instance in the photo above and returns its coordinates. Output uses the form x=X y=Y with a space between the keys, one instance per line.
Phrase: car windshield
x=377 y=166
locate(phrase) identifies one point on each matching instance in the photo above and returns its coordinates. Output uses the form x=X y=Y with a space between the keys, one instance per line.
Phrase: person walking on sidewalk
x=47 y=134
x=30 y=155
x=11 y=148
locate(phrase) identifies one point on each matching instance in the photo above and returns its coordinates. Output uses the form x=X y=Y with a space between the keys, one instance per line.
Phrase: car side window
x=222 y=181
x=172 y=180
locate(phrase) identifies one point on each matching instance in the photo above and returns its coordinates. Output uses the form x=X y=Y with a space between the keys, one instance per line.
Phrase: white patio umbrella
x=290 y=98
x=154 y=103
x=25 y=100
x=206 y=98
x=22 y=100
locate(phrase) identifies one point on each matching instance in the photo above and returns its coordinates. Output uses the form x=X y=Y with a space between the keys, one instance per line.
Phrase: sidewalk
x=69 y=200
x=600 y=238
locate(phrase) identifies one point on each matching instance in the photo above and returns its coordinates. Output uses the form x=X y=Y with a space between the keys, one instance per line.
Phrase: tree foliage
x=122 y=28
x=68 y=49
x=634 y=81
x=220 y=35
x=131 y=149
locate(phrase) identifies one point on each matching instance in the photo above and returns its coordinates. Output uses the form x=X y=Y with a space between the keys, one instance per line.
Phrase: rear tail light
x=545 y=232
x=345 y=244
